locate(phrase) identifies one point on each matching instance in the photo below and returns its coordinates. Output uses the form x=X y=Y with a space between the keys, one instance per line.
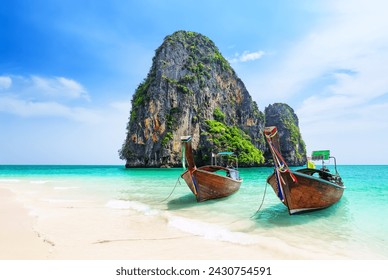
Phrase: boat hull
x=206 y=184
x=304 y=192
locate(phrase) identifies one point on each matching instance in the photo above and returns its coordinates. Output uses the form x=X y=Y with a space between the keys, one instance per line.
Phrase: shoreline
x=42 y=229
x=55 y=219
x=19 y=240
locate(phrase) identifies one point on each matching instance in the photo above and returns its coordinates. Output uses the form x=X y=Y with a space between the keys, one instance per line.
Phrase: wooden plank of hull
x=213 y=168
x=203 y=182
x=308 y=193
x=189 y=181
x=210 y=185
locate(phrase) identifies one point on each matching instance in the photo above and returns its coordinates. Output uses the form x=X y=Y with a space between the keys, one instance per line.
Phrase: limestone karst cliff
x=292 y=145
x=191 y=89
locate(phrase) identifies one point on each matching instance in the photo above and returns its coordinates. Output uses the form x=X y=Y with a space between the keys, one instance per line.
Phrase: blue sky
x=68 y=70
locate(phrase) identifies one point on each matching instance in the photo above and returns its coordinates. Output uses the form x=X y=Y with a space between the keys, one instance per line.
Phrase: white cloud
x=333 y=77
x=246 y=56
x=353 y=36
x=28 y=108
x=59 y=87
x=37 y=96
x=5 y=82
x=55 y=133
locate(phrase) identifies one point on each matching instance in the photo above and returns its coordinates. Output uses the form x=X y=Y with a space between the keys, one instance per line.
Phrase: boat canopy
x=320 y=155
x=186 y=138
x=226 y=154
x=221 y=154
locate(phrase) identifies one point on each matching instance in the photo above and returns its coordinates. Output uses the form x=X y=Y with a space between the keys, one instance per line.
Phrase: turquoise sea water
x=354 y=228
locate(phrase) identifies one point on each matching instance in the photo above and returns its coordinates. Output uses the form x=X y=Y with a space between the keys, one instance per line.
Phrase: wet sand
x=39 y=228
x=64 y=223
x=18 y=236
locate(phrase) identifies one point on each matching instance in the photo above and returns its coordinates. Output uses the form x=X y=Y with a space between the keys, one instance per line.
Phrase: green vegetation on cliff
x=233 y=139
x=292 y=145
x=202 y=53
x=296 y=138
x=140 y=96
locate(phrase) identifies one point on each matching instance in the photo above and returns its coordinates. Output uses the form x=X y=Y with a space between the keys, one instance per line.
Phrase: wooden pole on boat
x=186 y=140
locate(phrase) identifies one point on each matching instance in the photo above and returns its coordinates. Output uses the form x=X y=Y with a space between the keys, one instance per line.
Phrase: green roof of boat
x=320 y=155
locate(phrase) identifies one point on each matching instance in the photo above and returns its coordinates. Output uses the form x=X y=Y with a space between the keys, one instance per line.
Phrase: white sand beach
x=39 y=224
x=18 y=237
x=38 y=228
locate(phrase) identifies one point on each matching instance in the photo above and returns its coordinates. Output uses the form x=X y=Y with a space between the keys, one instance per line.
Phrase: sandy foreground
x=18 y=239
x=33 y=227
x=64 y=222
x=36 y=225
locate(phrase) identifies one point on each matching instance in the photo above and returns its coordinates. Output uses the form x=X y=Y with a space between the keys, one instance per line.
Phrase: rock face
x=292 y=146
x=192 y=90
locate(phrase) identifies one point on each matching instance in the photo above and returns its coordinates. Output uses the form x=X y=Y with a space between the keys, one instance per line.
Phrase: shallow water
x=354 y=228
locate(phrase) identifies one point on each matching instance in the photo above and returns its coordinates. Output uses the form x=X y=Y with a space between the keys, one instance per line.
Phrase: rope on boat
x=172 y=190
x=257 y=211
x=281 y=166
x=262 y=201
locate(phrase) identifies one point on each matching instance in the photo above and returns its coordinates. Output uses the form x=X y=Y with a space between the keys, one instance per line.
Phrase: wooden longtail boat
x=203 y=181
x=305 y=189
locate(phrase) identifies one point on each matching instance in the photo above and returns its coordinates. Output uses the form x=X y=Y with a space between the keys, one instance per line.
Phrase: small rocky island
x=191 y=89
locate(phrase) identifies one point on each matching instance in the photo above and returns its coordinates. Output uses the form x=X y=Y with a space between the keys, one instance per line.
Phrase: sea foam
x=210 y=231
x=134 y=205
x=9 y=180
x=65 y=188
x=194 y=227
x=39 y=182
